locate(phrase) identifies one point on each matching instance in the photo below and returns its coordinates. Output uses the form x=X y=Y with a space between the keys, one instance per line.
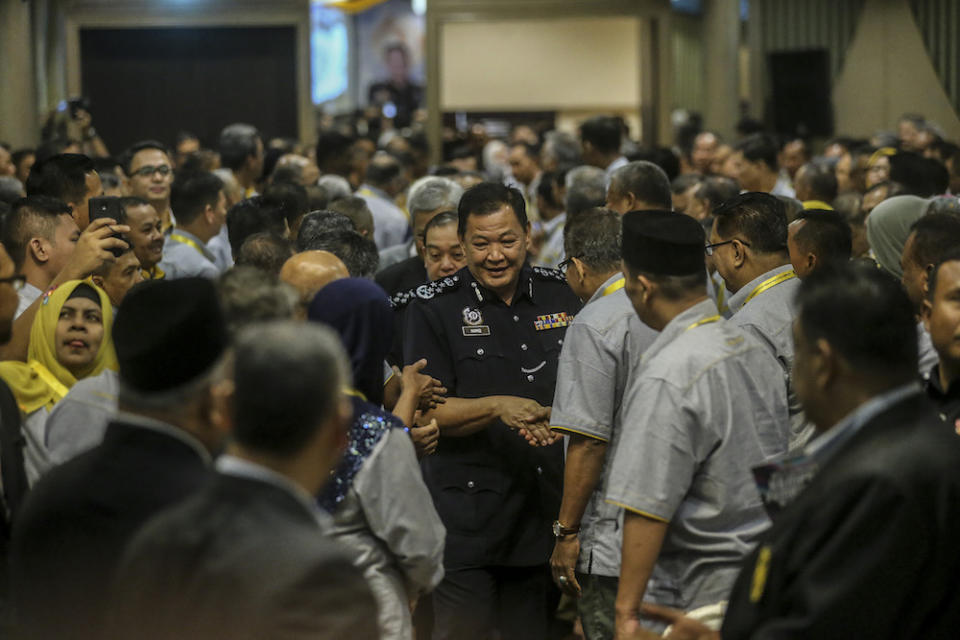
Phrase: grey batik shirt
x=605 y=340
x=707 y=404
x=767 y=309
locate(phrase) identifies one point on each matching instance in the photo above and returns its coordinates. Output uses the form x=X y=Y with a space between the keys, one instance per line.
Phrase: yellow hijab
x=42 y=380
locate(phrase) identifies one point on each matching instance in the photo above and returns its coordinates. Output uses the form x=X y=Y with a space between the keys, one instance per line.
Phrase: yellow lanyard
x=700 y=323
x=616 y=286
x=58 y=387
x=770 y=283
x=721 y=297
x=357 y=394
x=156 y=273
x=187 y=241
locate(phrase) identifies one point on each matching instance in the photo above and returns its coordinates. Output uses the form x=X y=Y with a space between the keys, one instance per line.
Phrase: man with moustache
x=146 y=235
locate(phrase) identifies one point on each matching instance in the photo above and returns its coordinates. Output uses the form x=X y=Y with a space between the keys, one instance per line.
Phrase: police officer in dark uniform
x=492 y=334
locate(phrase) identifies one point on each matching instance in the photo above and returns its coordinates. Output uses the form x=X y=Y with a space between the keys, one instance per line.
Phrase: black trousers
x=519 y=603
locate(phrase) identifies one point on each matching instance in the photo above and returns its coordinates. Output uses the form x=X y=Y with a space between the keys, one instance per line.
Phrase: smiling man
x=149 y=176
x=492 y=334
x=146 y=235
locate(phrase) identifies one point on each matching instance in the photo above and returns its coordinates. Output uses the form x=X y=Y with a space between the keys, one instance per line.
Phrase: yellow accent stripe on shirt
x=769 y=283
x=700 y=323
x=636 y=511
x=187 y=241
x=58 y=387
x=554 y=427
x=614 y=286
x=355 y=393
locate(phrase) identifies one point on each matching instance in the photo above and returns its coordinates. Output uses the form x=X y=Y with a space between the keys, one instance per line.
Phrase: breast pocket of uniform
x=480 y=367
x=469 y=498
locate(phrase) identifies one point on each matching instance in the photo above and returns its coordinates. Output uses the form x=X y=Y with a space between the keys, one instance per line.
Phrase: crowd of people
x=561 y=385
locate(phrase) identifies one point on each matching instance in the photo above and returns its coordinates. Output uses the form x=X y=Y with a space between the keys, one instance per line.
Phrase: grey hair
x=433 y=192
x=288 y=379
x=249 y=295
x=586 y=188
x=562 y=147
x=336 y=187
x=594 y=237
x=646 y=181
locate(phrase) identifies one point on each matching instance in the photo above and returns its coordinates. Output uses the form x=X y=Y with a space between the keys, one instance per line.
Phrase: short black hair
x=383 y=169
x=192 y=192
x=266 y=251
x=915 y=173
x=951 y=256
x=333 y=153
x=716 y=190
x=759 y=217
x=250 y=216
x=934 y=236
x=28 y=218
x=357 y=253
x=320 y=223
x=531 y=150
x=441 y=219
x=289 y=198
x=646 y=181
x=62 y=176
x=130 y=202
x=126 y=158
x=684 y=181
x=595 y=236
x=822 y=181
x=865 y=315
x=826 y=234
x=548 y=180
x=605 y=133
x=760 y=147
x=317 y=197
x=357 y=209
x=489 y=197
x=288 y=380
x=663 y=157
x=237 y=142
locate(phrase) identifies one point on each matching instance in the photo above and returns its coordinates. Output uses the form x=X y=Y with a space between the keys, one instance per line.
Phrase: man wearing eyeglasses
x=149 y=176
x=748 y=244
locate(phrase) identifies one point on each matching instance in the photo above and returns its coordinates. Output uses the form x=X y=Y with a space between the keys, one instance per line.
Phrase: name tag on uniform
x=552 y=321
x=481 y=330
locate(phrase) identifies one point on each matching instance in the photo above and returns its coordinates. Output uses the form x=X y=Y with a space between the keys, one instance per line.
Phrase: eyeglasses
x=564 y=265
x=148 y=171
x=710 y=247
x=17 y=281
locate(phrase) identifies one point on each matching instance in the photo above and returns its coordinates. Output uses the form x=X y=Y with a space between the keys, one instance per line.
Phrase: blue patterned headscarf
x=359 y=311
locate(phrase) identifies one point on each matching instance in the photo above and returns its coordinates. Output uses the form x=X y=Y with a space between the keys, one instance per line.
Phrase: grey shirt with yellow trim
x=768 y=312
x=706 y=405
x=186 y=256
x=604 y=341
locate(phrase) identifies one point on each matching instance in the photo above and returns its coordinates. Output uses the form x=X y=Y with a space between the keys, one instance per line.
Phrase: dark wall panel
x=152 y=83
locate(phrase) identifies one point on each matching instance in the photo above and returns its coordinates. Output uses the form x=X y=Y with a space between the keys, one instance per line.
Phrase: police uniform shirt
x=604 y=342
x=495 y=493
x=707 y=405
x=765 y=307
x=185 y=256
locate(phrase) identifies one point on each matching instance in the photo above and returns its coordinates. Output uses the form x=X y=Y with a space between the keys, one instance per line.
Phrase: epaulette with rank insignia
x=425 y=291
x=543 y=273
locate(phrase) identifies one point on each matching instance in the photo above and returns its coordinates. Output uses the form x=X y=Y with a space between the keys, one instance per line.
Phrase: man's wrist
x=562 y=531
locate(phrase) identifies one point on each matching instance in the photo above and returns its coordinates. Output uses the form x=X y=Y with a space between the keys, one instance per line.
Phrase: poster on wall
x=390 y=60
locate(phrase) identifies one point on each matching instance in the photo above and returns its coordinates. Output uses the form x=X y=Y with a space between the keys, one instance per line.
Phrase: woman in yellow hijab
x=69 y=340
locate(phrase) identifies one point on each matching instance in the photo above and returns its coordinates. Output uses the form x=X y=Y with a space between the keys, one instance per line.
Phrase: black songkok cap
x=168 y=333
x=663 y=243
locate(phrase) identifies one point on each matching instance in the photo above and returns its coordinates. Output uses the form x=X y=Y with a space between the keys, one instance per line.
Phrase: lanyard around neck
x=770 y=283
x=612 y=287
x=187 y=241
x=58 y=387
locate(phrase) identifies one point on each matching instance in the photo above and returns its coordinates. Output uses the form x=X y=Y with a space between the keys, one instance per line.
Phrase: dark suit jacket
x=242 y=559
x=70 y=534
x=402 y=276
x=871 y=548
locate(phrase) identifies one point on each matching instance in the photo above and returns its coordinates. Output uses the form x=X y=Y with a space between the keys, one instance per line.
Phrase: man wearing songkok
x=603 y=343
x=868 y=548
x=748 y=243
x=248 y=558
x=73 y=526
x=707 y=405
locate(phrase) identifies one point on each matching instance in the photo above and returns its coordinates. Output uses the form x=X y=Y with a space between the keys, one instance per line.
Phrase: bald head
x=310 y=271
